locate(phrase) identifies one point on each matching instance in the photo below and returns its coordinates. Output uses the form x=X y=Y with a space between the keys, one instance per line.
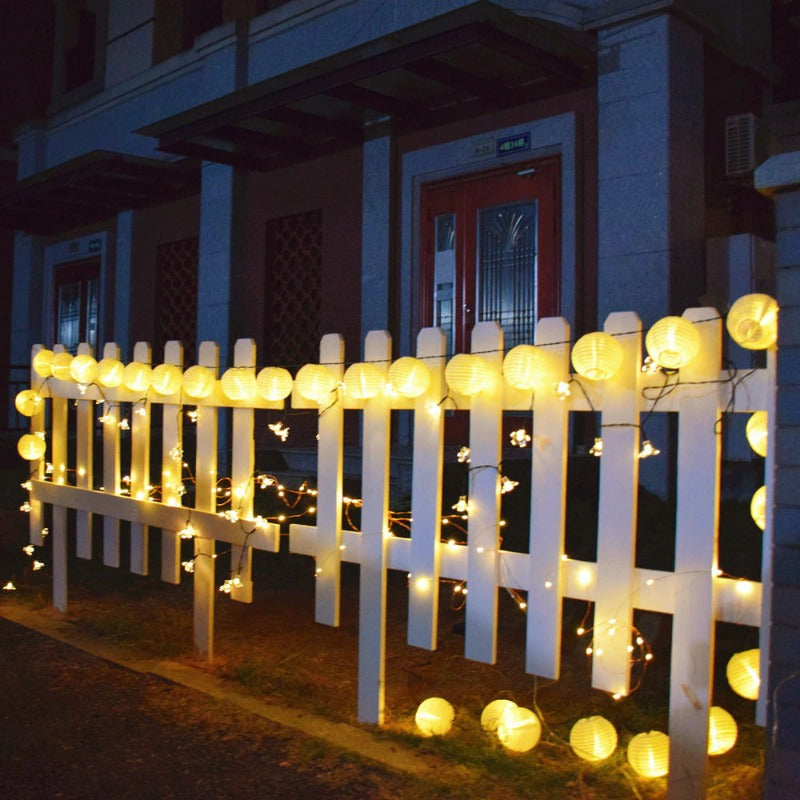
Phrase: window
x=490 y=252
x=77 y=294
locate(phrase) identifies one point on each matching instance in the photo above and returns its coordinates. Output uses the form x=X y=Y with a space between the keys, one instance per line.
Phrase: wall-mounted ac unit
x=740 y=144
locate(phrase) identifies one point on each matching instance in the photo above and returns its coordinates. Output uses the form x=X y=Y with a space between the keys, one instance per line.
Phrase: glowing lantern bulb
x=110 y=372
x=42 y=363
x=758 y=507
x=467 y=374
x=493 y=712
x=597 y=356
x=166 y=379
x=593 y=738
x=83 y=368
x=756 y=432
x=673 y=342
x=362 y=381
x=239 y=383
x=274 y=383
x=722 y=731
x=198 y=382
x=752 y=321
x=409 y=376
x=526 y=367
x=31 y=447
x=28 y=402
x=519 y=729
x=136 y=376
x=315 y=382
x=648 y=754
x=744 y=673
x=60 y=366
x=434 y=716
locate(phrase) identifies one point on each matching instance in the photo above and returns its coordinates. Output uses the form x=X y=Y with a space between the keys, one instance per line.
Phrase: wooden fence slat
x=37 y=425
x=84 y=450
x=140 y=468
x=374 y=520
x=242 y=466
x=111 y=467
x=59 y=414
x=696 y=527
x=426 y=494
x=483 y=538
x=548 y=508
x=171 y=471
x=616 y=518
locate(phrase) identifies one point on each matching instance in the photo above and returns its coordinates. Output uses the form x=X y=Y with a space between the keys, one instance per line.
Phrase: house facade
x=281 y=170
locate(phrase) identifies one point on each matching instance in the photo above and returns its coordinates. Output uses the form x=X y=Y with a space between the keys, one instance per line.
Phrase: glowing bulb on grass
x=597 y=356
x=744 y=673
x=648 y=754
x=467 y=374
x=60 y=366
x=493 y=713
x=274 y=383
x=136 y=376
x=434 y=716
x=722 y=731
x=526 y=367
x=519 y=729
x=673 y=342
x=752 y=321
x=756 y=432
x=593 y=738
x=363 y=381
x=42 y=363
x=28 y=402
x=110 y=372
x=239 y=383
x=316 y=382
x=409 y=376
x=166 y=379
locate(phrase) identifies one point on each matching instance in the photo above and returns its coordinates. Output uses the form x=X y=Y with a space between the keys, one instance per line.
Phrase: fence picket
x=171 y=471
x=111 y=467
x=140 y=468
x=37 y=425
x=59 y=461
x=84 y=427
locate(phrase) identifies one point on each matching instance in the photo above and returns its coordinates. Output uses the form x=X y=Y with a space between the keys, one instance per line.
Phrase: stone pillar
x=781 y=175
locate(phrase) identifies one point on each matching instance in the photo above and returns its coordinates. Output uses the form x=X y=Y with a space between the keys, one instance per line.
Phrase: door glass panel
x=91 y=311
x=69 y=315
x=506 y=269
x=444 y=268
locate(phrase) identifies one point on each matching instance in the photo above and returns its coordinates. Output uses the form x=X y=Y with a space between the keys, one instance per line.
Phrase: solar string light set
x=682 y=372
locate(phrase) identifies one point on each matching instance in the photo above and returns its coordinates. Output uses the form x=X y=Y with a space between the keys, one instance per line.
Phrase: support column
x=27 y=320
x=781 y=175
x=123 y=266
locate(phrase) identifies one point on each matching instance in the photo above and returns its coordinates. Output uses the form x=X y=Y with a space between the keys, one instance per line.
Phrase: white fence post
x=485 y=431
x=111 y=465
x=548 y=507
x=426 y=494
x=696 y=525
x=242 y=466
x=37 y=425
x=205 y=500
x=84 y=452
x=140 y=468
x=374 y=520
x=59 y=413
x=171 y=470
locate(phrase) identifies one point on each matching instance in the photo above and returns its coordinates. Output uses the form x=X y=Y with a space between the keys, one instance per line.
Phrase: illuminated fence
x=695 y=593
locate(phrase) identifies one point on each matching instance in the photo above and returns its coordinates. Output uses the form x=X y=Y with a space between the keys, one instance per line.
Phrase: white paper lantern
x=526 y=367
x=434 y=716
x=274 y=383
x=409 y=376
x=239 y=383
x=673 y=342
x=493 y=712
x=597 y=356
x=593 y=738
x=315 y=382
x=166 y=379
x=467 y=374
x=757 y=432
x=31 y=447
x=648 y=754
x=198 y=382
x=758 y=507
x=744 y=673
x=519 y=729
x=362 y=381
x=83 y=369
x=42 y=363
x=136 y=376
x=110 y=372
x=60 y=366
x=28 y=402
x=722 y=731
x=752 y=321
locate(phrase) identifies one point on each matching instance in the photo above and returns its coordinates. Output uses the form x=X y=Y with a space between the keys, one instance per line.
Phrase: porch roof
x=475 y=60
x=93 y=187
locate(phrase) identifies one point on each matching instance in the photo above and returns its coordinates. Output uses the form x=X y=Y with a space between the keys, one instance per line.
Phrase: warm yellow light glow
x=28 y=402
x=60 y=366
x=519 y=729
x=362 y=381
x=597 y=356
x=422 y=584
x=722 y=731
x=756 y=432
x=584 y=577
x=744 y=673
x=434 y=716
x=467 y=374
x=167 y=379
x=274 y=383
x=42 y=363
x=110 y=372
x=136 y=376
x=758 y=507
x=526 y=367
x=31 y=447
x=239 y=383
x=316 y=382
x=673 y=342
x=648 y=754
x=409 y=376
x=83 y=368
x=593 y=738
x=198 y=382
x=493 y=712
x=752 y=321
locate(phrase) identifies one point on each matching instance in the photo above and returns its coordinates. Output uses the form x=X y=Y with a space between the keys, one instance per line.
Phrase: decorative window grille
x=176 y=310
x=293 y=269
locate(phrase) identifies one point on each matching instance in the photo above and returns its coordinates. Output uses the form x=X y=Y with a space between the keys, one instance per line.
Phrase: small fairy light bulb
x=434 y=409
x=188 y=566
x=188 y=531
x=647 y=450
x=519 y=438
x=597 y=448
x=422 y=584
x=507 y=485
x=461 y=505
x=37 y=565
x=463 y=455
x=9 y=587
x=28 y=550
x=124 y=425
x=279 y=431
x=141 y=410
x=561 y=389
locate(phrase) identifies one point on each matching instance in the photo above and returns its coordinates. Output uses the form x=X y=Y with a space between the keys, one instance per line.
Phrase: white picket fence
x=694 y=593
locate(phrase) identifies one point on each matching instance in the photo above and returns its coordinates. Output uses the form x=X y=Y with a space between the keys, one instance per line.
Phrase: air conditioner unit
x=740 y=144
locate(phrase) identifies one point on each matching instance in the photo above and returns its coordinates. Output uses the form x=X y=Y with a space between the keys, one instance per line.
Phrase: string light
x=279 y=431
x=9 y=587
x=597 y=448
x=463 y=455
x=37 y=565
x=520 y=438
x=647 y=450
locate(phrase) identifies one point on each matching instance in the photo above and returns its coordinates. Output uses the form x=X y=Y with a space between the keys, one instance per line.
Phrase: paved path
x=73 y=725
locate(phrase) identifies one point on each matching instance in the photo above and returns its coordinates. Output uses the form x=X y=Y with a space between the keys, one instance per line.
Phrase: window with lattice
x=293 y=288
x=176 y=306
